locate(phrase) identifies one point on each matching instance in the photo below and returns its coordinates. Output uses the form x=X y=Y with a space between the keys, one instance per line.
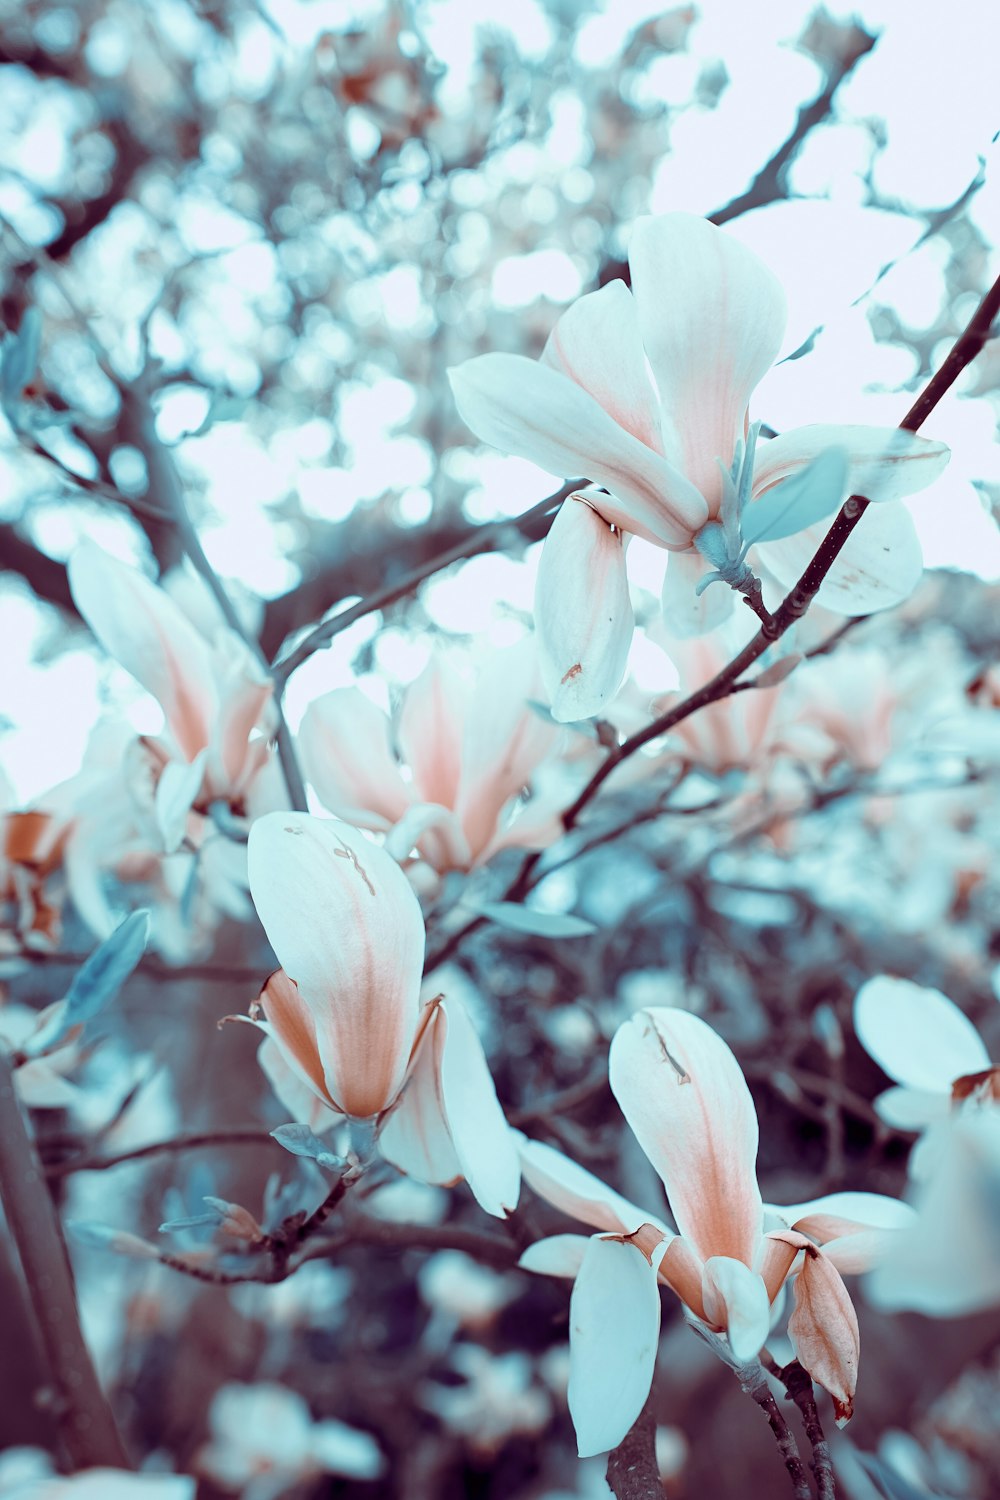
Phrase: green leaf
x=553 y=924
x=804 y=498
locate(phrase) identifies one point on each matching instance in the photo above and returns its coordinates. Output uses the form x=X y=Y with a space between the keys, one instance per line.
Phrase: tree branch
x=633 y=1473
x=85 y=1419
x=754 y=1383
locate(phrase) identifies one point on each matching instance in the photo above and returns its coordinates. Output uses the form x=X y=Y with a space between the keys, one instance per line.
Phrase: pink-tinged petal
x=775 y=1258
x=948 y=1264
x=435 y=833
x=684 y=1095
x=526 y=408
x=347 y=928
x=912 y=1109
x=883 y=462
x=449 y=1116
x=916 y=1035
x=505 y=739
x=300 y=1098
x=712 y=318
x=577 y=1192
x=862 y=1250
x=245 y=688
x=430 y=731
x=614 y=1320
x=484 y=1142
x=177 y=790
x=598 y=343
x=346 y=754
x=684 y=1274
x=736 y=1300
x=687 y=613
x=292 y=1028
x=559 y=1255
x=583 y=613
x=142 y=628
x=823 y=1328
x=878 y=566
x=843 y=1213
x=415 y=1136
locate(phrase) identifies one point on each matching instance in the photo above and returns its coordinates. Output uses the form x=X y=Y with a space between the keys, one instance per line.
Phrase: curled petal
x=598 y=343
x=347 y=928
x=300 y=1098
x=712 y=317
x=916 y=1035
x=346 y=754
x=685 y=1097
x=577 y=1192
x=614 y=1316
x=823 y=1328
x=844 y=1213
x=736 y=1299
x=878 y=566
x=143 y=629
x=292 y=1031
x=529 y=409
x=583 y=613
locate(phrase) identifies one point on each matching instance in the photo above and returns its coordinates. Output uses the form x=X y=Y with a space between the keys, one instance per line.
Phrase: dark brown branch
x=633 y=1473
x=754 y=1383
x=193 y=1141
x=84 y=1417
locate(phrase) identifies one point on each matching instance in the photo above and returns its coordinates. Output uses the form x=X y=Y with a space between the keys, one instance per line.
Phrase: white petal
x=866 y=1210
x=431 y=730
x=614 y=1316
x=344 y=741
x=912 y=1109
x=577 y=1192
x=528 y=409
x=416 y=1137
x=712 y=318
x=883 y=462
x=583 y=613
x=916 y=1035
x=687 y=613
x=736 y=1299
x=879 y=565
x=484 y=1143
x=559 y=1255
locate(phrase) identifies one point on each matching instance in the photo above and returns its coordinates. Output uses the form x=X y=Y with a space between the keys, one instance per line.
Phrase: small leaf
x=517 y=918
x=301 y=1141
x=97 y=982
x=804 y=498
x=194 y=1221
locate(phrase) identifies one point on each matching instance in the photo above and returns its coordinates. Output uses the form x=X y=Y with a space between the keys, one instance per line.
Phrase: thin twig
x=193 y=1141
x=81 y=1409
x=751 y=1378
x=799 y=1386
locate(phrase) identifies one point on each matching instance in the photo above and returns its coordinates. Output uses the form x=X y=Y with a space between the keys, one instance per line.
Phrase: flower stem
x=753 y=1381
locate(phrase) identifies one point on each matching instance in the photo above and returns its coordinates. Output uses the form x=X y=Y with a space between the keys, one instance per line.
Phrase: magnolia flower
x=40 y=1081
x=646 y=394
x=264 y=1441
x=213 y=692
x=928 y=1047
x=26 y=1474
x=684 y=1095
x=735 y=733
x=344 y=1009
x=470 y=749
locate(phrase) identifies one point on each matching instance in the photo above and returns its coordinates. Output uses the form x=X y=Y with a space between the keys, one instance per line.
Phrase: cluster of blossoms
x=645 y=394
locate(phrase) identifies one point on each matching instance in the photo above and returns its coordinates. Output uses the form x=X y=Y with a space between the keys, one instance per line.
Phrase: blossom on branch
x=646 y=394
x=345 y=1011
x=684 y=1096
x=470 y=748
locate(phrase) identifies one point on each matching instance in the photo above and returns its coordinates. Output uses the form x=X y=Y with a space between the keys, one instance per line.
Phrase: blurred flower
x=470 y=749
x=40 y=1081
x=928 y=1047
x=213 y=692
x=947 y=1263
x=678 y=460
x=345 y=1010
x=32 y=843
x=498 y=1400
x=684 y=1096
x=464 y=1292
x=26 y=1474
x=264 y=1441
